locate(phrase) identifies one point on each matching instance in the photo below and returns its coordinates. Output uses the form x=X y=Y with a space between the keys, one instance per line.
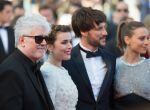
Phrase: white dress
x=61 y=88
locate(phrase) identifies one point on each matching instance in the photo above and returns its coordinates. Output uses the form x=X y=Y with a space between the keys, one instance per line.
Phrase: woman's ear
x=127 y=40
x=50 y=47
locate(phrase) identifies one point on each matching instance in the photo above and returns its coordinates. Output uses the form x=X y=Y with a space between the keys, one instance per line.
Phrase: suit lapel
x=2 y=51
x=79 y=63
x=107 y=77
x=31 y=76
x=11 y=41
x=35 y=84
x=44 y=95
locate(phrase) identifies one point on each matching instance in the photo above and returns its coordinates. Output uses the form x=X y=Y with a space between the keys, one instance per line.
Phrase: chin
x=39 y=56
x=67 y=58
x=103 y=44
x=42 y=51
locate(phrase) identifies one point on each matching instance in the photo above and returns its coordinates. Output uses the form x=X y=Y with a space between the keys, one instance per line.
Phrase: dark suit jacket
x=19 y=88
x=11 y=44
x=77 y=70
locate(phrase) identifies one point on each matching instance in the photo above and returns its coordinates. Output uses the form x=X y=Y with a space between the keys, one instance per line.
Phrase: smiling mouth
x=68 y=52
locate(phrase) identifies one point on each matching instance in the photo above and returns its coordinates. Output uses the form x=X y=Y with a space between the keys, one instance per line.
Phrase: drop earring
x=50 y=52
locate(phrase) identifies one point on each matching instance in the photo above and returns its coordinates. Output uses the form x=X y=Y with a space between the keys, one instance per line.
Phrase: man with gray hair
x=21 y=84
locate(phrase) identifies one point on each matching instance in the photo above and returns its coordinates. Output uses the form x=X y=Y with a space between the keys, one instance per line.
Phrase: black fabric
x=36 y=71
x=1 y=27
x=132 y=102
x=19 y=86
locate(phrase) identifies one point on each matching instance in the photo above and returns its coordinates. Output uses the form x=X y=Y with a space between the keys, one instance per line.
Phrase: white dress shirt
x=96 y=70
x=4 y=38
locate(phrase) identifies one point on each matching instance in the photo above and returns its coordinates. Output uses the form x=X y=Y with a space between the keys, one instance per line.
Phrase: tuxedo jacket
x=11 y=44
x=78 y=73
x=19 y=89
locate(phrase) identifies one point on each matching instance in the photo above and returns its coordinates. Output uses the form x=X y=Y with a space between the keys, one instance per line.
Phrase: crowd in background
x=60 y=12
x=138 y=9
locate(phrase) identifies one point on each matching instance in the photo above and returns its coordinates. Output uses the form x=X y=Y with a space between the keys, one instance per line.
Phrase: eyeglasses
x=39 y=38
x=122 y=10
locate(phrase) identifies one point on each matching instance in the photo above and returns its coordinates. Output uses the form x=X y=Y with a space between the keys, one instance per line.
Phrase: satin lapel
x=79 y=63
x=33 y=80
x=31 y=77
x=36 y=85
x=107 y=77
x=2 y=51
x=11 y=41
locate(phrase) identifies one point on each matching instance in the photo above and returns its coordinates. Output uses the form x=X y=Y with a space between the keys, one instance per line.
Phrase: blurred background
x=61 y=10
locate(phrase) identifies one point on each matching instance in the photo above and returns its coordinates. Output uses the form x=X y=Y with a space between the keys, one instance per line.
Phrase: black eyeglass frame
x=39 y=38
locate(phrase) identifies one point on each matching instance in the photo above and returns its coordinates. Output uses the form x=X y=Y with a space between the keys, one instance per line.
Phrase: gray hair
x=27 y=23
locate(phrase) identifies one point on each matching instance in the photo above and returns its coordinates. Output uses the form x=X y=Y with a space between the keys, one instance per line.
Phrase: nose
x=69 y=45
x=146 y=41
x=104 y=32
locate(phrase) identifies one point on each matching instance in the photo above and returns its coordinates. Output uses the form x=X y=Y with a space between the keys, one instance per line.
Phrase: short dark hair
x=55 y=30
x=85 y=18
x=3 y=3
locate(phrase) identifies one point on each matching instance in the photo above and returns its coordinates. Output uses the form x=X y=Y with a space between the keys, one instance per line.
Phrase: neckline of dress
x=59 y=67
x=135 y=64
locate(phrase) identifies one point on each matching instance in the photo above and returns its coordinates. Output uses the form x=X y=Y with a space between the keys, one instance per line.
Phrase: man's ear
x=84 y=34
x=21 y=41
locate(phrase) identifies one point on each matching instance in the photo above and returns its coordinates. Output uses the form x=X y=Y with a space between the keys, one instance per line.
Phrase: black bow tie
x=91 y=54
